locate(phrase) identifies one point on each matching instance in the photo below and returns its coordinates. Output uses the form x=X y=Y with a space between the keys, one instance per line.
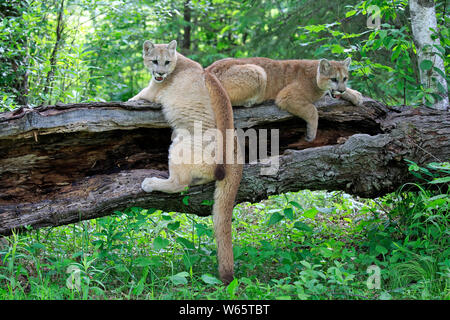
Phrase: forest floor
x=304 y=245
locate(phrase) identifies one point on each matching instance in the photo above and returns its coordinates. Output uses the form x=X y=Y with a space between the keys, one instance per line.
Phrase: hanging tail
x=224 y=198
x=228 y=177
x=223 y=112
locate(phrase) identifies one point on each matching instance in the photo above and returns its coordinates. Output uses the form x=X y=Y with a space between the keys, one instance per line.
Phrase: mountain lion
x=191 y=96
x=294 y=84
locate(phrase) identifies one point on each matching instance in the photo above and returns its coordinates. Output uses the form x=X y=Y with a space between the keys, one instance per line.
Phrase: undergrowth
x=304 y=245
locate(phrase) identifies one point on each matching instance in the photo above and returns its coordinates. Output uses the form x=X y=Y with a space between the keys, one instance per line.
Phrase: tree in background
x=429 y=52
x=81 y=50
x=13 y=53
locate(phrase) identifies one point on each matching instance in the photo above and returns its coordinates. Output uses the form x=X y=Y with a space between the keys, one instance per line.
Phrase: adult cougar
x=294 y=84
x=191 y=96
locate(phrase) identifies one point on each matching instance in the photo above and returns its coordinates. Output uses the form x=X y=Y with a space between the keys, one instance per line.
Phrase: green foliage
x=305 y=245
x=295 y=246
x=98 y=55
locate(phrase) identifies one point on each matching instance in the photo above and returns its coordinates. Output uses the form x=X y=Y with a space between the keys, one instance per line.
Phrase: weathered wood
x=70 y=162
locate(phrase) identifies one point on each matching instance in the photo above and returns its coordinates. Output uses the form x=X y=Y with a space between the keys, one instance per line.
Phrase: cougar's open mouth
x=336 y=94
x=158 y=78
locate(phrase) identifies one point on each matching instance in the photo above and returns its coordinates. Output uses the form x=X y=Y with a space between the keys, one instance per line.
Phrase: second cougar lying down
x=294 y=84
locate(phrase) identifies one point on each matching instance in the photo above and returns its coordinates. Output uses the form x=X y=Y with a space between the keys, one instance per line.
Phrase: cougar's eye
x=155 y=61
x=334 y=79
x=345 y=79
x=167 y=63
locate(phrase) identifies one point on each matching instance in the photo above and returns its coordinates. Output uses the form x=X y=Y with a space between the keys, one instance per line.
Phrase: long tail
x=224 y=198
x=223 y=115
x=228 y=176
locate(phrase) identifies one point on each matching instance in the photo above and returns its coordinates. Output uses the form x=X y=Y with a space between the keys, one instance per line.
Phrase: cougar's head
x=332 y=76
x=160 y=59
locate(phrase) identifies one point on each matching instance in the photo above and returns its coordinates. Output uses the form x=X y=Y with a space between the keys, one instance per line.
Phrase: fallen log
x=69 y=162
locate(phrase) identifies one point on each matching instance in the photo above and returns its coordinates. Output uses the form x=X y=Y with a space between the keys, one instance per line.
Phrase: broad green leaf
x=380 y=249
x=310 y=213
x=179 y=278
x=209 y=279
x=302 y=226
x=439 y=71
x=430 y=98
x=203 y=229
x=275 y=218
x=143 y=261
x=337 y=49
x=207 y=202
x=289 y=213
x=173 y=225
x=426 y=65
x=185 y=242
x=296 y=204
x=160 y=243
x=350 y=13
x=232 y=287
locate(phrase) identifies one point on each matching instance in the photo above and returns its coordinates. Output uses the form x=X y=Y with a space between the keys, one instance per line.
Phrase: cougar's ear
x=347 y=62
x=172 y=45
x=148 y=46
x=324 y=66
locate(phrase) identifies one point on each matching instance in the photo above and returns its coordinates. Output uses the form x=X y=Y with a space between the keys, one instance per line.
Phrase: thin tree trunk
x=59 y=31
x=423 y=22
x=187 y=26
x=15 y=82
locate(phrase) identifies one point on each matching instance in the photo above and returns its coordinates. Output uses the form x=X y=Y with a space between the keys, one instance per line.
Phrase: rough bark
x=69 y=162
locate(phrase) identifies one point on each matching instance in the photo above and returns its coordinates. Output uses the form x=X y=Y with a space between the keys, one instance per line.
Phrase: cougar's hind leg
x=245 y=84
x=181 y=176
x=170 y=185
x=179 y=171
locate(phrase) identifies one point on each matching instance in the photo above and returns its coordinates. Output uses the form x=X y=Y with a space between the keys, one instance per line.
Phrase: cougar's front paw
x=358 y=101
x=147 y=185
x=354 y=97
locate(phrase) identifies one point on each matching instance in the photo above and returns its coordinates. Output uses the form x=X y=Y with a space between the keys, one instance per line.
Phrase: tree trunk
x=58 y=32
x=14 y=79
x=423 y=22
x=69 y=162
x=187 y=25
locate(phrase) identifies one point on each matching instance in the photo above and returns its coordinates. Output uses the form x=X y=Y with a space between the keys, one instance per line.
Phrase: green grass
x=305 y=245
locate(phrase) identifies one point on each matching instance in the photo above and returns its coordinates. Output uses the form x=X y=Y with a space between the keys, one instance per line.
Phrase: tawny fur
x=190 y=94
x=294 y=84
